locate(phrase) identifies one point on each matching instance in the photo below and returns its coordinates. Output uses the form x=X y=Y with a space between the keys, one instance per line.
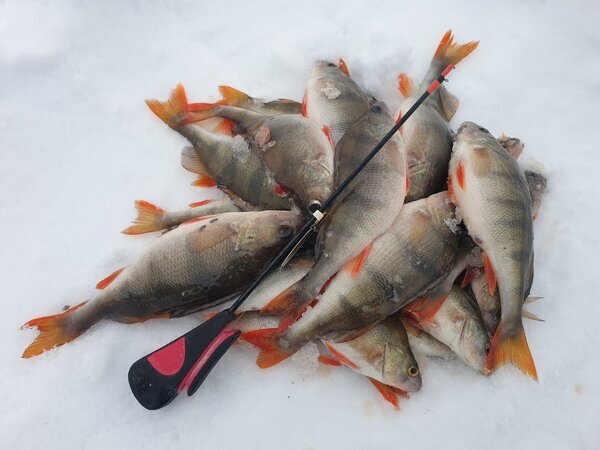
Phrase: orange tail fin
x=197 y=112
x=173 y=110
x=149 y=218
x=449 y=52
x=511 y=348
x=271 y=352
x=54 y=331
x=232 y=96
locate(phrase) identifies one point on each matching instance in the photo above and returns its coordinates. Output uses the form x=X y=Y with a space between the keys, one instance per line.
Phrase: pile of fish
x=429 y=253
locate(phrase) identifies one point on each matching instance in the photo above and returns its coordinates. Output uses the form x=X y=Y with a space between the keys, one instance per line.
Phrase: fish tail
x=232 y=96
x=54 y=331
x=511 y=348
x=450 y=52
x=267 y=341
x=149 y=218
x=173 y=110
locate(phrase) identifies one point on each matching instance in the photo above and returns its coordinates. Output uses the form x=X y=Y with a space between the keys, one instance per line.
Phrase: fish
x=294 y=149
x=413 y=255
x=427 y=134
x=492 y=196
x=512 y=145
x=422 y=343
x=489 y=304
x=382 y=354
x=459 y=325
x=220 y=160
x=152 y=218
x=366 y=210
x=333 y=100
x=203 y=261
x=233 y=97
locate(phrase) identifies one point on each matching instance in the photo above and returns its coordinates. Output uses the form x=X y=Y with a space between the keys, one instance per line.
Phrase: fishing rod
x=157 y=378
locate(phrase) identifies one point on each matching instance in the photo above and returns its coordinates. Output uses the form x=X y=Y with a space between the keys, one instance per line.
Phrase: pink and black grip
x=184 y=363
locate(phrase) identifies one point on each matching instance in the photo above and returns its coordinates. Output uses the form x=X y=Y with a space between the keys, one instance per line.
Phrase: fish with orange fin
x=492 y=195
x=422 y=343
x=427 y=134
x=220 y=160
x=294 y=149
x=233 y=97
x=333 y=99
x=459 y=325
x=152 y=218
x=365 y=212
x=406 y=261
x=203 y=261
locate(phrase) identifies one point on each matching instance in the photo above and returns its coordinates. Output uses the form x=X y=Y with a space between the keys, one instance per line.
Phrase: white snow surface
x=78 y=146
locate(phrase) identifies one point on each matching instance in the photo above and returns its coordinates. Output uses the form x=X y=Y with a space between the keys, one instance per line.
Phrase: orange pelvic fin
x=102 y=284
x=490 y=276
x=406 y=85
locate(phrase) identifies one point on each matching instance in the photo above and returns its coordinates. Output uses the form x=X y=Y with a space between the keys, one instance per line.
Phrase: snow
x=330 y=91
x=79 y=146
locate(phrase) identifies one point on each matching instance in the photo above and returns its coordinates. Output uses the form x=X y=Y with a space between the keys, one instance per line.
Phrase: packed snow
x=78 y=146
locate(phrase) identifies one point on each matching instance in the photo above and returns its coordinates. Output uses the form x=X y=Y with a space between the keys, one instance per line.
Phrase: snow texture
x=78 y=146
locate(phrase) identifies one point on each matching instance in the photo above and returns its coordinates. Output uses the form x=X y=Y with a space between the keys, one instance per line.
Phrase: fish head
x=323 y=68
x=537 y=188
x=473 y=135
x=512 y=145
x=400 y=369
x=267 y=230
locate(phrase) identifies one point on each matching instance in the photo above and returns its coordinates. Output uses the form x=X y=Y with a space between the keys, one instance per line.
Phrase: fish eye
x=486 y=349
x=330 y=65
x=284 y=232
x=413 y=371
x=483 y=129
x=376 y=108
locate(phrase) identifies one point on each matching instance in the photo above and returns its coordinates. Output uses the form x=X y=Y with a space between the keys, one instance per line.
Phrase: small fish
x=201 y=262
x=514 y=146
x=427 y=134
x=293 y=148
x=412 y=256
x=333 y=100
x=233 y=97
x=153 y=218
x=492 y=195
x=221 y=160
x=459 y=325
x=366 y=211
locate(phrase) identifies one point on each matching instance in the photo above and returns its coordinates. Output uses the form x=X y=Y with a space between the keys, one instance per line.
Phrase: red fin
x=398 y=119
x=148 y=218
x=102 y=284
x=54 y=331
x=173 y=110
x=490 y=276
x=343 y=67
x=451 y=194
x=406 y=85
x=400 y=392
x=423 y=309
x=460 y=175
x=280 y=191
x=327 y=132
x=511 y=349
x=304 y=98
x=198 y=219
x=341 y=358
x=266 y=341
x=449 y=52
x=202 y=203
x=204 y=181
x=386 y=392
x=225 y=127
x=329 y=360
x=232 y=96
x=355 y=265
x=470 y=273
